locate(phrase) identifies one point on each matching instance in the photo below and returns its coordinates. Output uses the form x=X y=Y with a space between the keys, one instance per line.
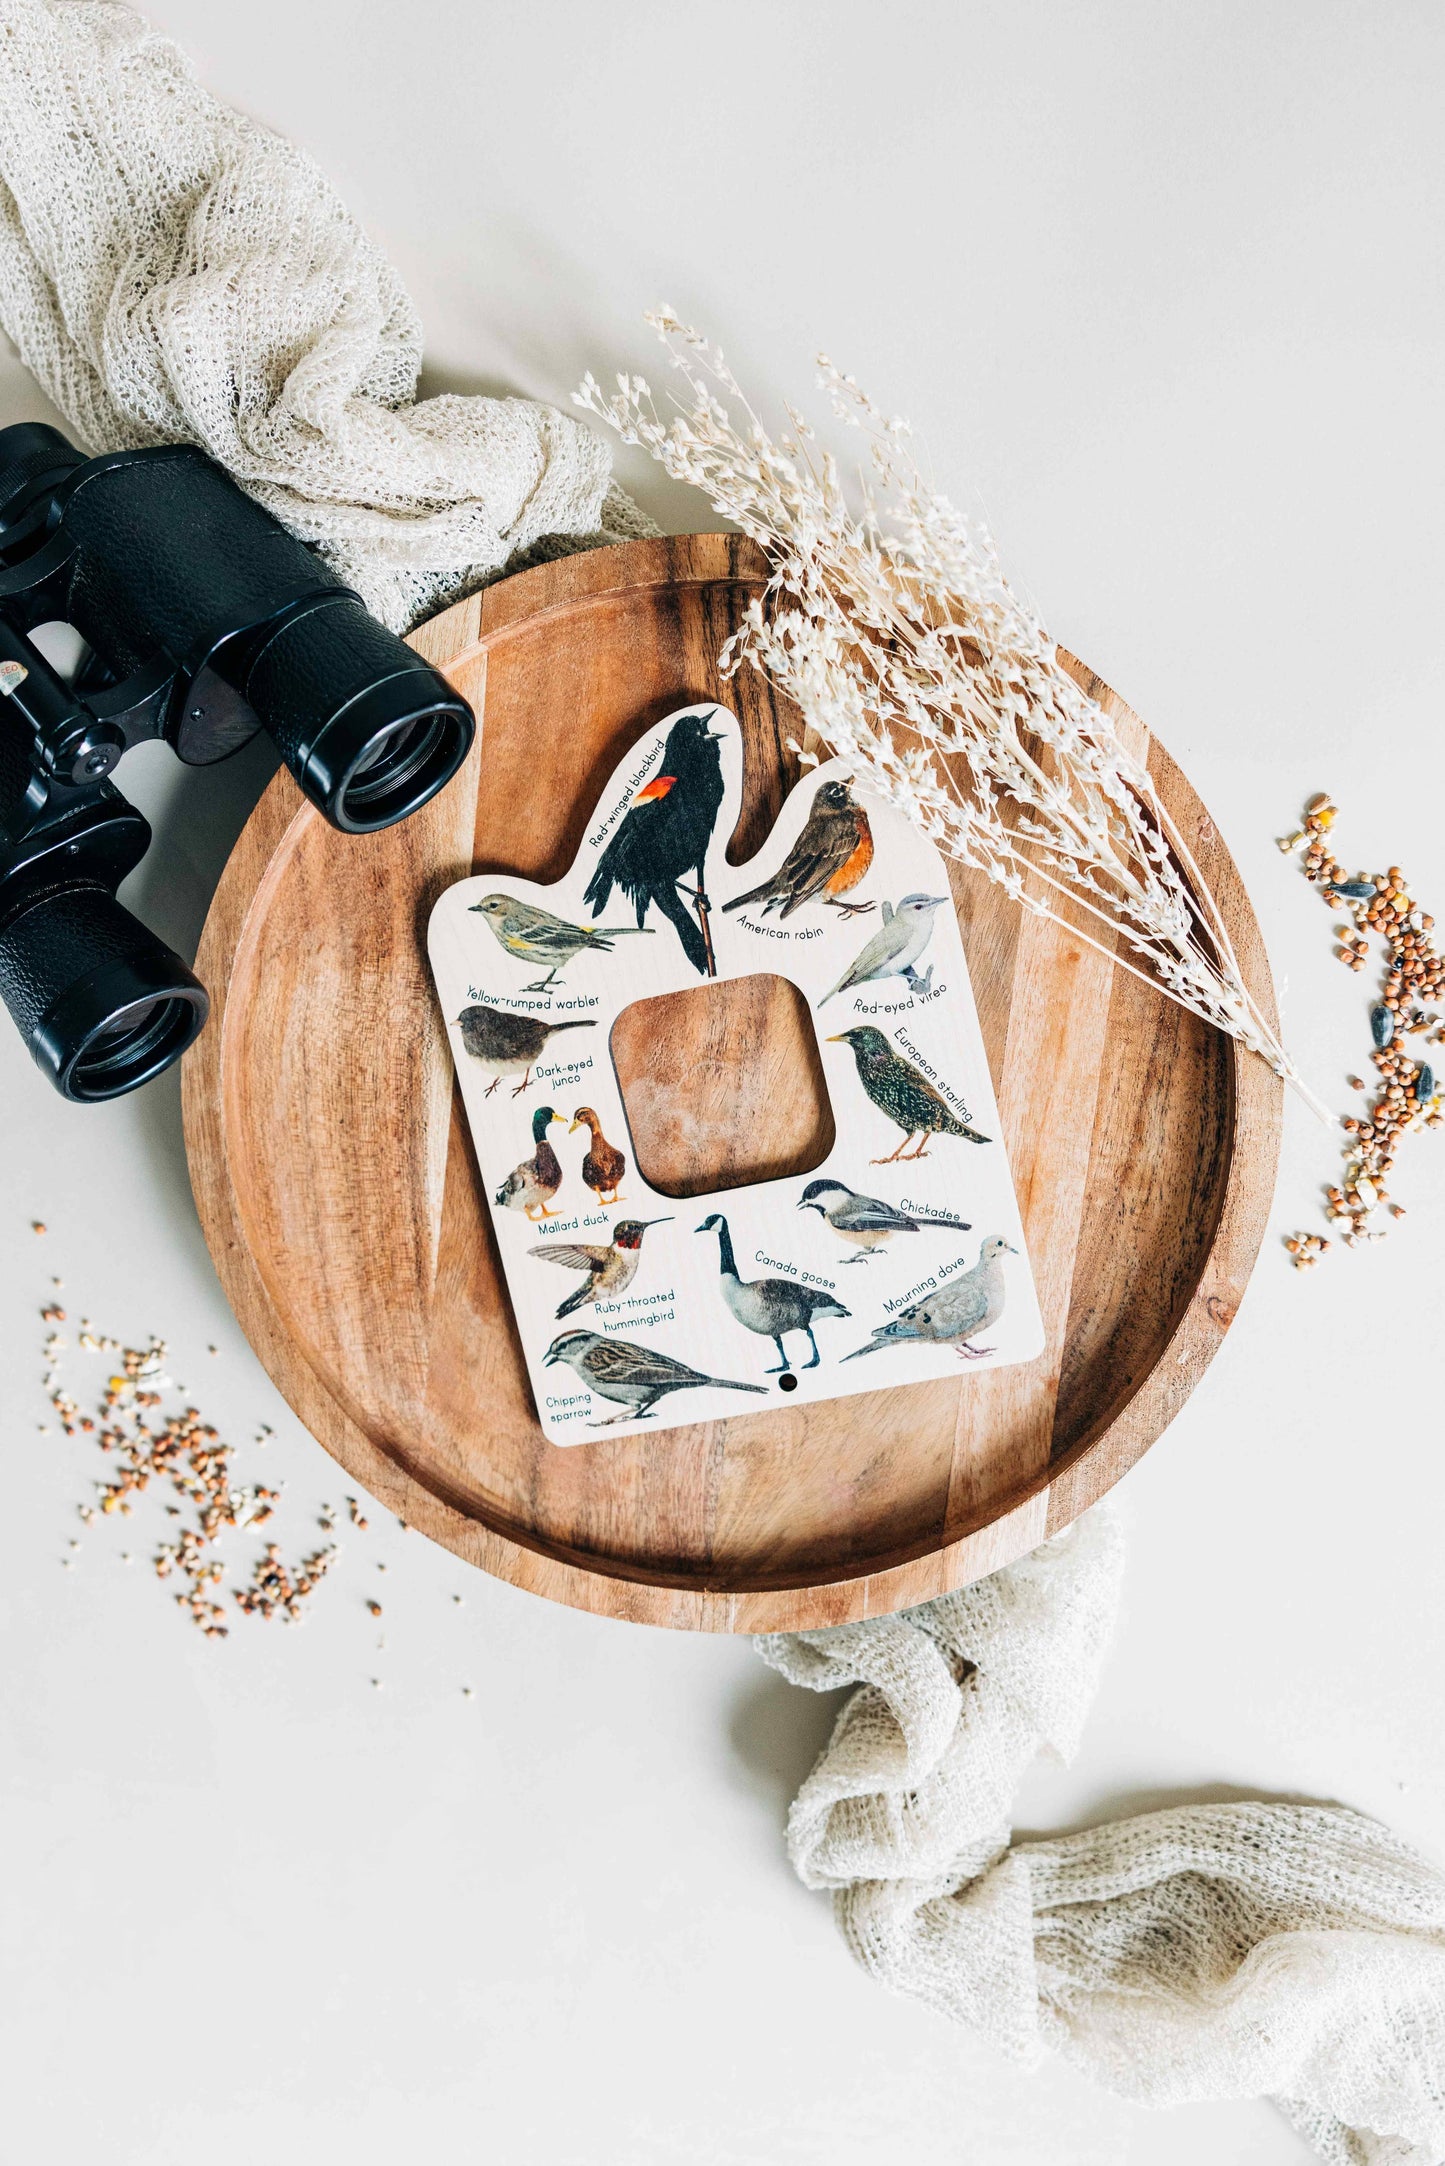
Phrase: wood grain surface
x=337 y=1188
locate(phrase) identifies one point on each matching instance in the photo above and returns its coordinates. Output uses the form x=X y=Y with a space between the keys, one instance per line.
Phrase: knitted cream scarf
x=171 y=271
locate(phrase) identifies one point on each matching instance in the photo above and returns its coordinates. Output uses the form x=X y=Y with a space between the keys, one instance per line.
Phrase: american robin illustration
x=895 y=947
x=826 y=862
x=897 y=1089
x=868 y=1220
x=635 y=1376
x=610 y=1271
x=604 y=1166
x=663 y=837
x=533 y=935
x=960 y=1309
x=509 y=1044
x=770 y=1307
x=531 y=1186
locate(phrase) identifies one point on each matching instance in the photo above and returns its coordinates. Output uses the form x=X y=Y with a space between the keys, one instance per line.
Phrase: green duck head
x=542 y=1120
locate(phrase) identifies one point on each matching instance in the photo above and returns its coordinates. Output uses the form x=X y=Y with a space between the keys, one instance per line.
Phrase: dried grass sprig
x=888 y=621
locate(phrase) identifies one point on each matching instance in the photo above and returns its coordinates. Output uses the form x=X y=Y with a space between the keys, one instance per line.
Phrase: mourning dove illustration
x=956 y=1313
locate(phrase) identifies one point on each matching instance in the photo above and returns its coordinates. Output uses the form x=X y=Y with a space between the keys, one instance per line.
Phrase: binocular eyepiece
x=205 y=621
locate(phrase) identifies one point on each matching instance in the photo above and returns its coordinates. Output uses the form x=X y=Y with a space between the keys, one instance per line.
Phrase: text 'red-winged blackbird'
x=664 y=835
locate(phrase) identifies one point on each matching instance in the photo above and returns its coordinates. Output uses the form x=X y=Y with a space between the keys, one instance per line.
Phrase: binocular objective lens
x=390 y=764
x=132 y=1049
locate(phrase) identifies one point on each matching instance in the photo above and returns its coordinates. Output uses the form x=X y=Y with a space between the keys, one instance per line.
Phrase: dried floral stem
x=892 y=628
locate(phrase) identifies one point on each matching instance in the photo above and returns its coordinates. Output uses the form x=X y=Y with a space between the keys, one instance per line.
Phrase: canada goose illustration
x=770 y=1307
x=868 y=1220
x=531 y=1186
x=609 y=1271
x=604 y=1166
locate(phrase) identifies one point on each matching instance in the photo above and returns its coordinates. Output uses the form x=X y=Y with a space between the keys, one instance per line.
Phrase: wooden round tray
x=338 y=1191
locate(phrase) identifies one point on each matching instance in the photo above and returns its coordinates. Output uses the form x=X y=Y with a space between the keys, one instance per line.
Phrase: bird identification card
x=897 y=1257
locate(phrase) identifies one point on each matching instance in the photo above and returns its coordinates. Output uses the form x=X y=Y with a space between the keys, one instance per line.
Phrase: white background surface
x=1163 y=287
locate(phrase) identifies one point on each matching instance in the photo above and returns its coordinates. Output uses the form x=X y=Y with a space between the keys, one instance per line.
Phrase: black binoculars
x=204 y=621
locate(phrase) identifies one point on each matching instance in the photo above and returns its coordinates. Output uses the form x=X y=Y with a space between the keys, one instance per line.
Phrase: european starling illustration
x=897 y=1089
x=827 y=861
x=868 y=1220
x=664 y=835
x=604 y=1165
x=531 y=1186
x=509 y=1044
x=635 y=1376
x=533 y=935
x=770 y=1306
x=895 y=947
x=960 y=1309
x=610 y=1271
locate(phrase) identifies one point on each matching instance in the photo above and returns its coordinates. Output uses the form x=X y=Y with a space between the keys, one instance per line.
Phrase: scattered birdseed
x=1406 y=1094
x=144 y=1444
x=37 y=1225
x=375 y=1608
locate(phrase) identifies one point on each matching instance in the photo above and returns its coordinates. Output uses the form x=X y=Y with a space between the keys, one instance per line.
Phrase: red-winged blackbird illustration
x=829 y=858
x=664 y=837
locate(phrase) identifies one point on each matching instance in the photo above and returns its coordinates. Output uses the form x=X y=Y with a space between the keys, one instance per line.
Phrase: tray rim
x=461 y=636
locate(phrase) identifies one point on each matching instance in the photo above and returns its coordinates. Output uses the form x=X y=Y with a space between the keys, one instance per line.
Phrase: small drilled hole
x=788 y=1382
x=722 y=1085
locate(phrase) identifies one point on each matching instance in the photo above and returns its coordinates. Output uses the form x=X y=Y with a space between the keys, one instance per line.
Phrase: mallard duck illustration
x=509 y=1044
x=770 y=1307
x=636 y=1376
x=604 y=1166
x=664 y=836
x=868 y=1220
x=960 y=1309
x=897 y=1089
x=895 y=947
x=609 y=1271
x=531 y=1186
x=533 y=935
x=829 y=858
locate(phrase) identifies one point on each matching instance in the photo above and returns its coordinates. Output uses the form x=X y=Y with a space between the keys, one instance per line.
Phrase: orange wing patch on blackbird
x=657 y=788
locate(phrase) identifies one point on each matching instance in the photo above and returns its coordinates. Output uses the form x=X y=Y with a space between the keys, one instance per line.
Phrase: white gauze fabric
x=1207 y=1952
x=171 y=272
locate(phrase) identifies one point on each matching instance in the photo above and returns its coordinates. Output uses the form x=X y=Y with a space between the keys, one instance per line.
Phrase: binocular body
x=204 y=620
